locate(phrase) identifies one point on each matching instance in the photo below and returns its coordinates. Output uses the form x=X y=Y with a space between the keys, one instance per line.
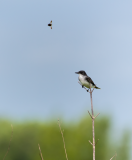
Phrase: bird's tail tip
x=97 y=87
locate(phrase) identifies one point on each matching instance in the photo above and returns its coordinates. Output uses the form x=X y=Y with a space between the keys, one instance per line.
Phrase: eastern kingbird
x=86 y=80
x=50 y=24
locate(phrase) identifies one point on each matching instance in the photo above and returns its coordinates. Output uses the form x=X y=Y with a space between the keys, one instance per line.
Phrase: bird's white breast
x=81 y=78
x=84 y=82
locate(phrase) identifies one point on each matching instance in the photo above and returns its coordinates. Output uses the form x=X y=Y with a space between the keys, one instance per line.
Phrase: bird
x=50 y=24
x=85 y=80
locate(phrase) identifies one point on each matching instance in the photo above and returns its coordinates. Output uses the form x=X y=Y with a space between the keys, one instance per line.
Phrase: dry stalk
x=93 y=118
x=90 y=142
x=114 y=156
x=9 y=143
x=40 y=152
x=63 y=139
x=96 y=142
x=92 y=123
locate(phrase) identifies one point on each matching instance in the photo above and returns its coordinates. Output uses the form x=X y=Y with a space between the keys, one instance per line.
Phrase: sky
x=38 y=65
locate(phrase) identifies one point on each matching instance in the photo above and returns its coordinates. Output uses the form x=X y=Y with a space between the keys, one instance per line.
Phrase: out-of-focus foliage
x=26 y=136
x=124 y=146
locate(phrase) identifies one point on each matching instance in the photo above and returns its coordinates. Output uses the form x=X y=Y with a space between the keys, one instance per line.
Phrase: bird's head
x=82 y=73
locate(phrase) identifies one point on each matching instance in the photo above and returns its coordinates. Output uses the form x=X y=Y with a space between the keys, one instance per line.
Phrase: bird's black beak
x=77 y=72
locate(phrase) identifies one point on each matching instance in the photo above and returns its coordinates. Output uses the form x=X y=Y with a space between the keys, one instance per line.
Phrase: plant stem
x=92 y=124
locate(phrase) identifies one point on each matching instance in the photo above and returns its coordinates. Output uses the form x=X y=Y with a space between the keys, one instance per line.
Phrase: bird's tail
x=97 y=87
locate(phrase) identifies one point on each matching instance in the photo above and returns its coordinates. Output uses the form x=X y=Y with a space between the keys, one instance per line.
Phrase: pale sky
x=38 y=65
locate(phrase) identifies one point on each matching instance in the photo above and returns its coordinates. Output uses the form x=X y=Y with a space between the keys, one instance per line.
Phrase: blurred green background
x=27 y=135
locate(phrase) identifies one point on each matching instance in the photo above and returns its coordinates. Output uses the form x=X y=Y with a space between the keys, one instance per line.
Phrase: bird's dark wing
x=50 y=24
x=90 y=81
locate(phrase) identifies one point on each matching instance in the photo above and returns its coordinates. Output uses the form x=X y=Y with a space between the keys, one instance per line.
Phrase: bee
x=50 y=24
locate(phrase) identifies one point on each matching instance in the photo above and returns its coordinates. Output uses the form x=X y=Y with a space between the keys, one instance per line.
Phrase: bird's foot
x=87 y=90
x=82 y=86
